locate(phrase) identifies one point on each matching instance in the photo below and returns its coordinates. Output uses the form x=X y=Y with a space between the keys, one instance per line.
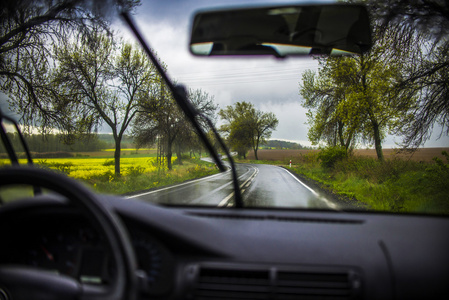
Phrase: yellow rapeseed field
x=87 y=168
x=99 y=172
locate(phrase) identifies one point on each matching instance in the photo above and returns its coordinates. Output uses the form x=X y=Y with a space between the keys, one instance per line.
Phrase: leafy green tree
x=28 y=31
x=247 y=127
x=356 y=97
x=160 y=119
x=411 y=38
x=237 y=126
x=107 y=86
x=264 y=124
x=323 y=96
x=188 y=140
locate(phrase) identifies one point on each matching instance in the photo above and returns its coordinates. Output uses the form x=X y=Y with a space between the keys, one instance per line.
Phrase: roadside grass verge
x=396 y=185
x=137 y=173
x=137 y=181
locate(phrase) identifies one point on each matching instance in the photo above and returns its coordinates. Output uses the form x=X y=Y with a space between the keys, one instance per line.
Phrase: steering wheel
x=19 y=282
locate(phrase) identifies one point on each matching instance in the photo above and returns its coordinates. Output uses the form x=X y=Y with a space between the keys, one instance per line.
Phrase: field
x=423 y=154
x=139 y=171
x=88 y=168
x=278 y=155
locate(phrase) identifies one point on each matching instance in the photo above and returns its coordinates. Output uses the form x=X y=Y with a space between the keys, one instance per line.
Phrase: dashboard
x=62 y=241
x=206 y=253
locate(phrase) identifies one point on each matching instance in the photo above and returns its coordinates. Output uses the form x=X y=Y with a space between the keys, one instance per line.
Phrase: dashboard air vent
x=232 y=284
x=244 y=282
x=295 y=285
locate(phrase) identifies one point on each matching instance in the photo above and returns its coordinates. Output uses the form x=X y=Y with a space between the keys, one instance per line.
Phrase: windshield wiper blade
x=180 y=97
x=8 y=144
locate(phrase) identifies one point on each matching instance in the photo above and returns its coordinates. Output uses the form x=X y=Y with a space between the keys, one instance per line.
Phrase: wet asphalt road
x=261 y=186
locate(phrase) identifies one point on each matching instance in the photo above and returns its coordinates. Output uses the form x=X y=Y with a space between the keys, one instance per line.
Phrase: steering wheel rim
x=123 y=284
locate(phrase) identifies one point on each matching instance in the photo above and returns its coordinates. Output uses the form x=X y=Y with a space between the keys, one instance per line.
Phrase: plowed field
x=423 y=154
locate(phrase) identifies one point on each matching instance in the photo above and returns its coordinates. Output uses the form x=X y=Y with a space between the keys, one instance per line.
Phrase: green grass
x=393 y=185
x=139 y=181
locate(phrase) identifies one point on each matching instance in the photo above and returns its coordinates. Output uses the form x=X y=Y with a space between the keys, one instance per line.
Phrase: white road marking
x=207 y=159
x=296 y=178
x=328 y=203
x=225 y=200
x=223 y=186
x=251 y=177
x=248 y=182
x=178 y=185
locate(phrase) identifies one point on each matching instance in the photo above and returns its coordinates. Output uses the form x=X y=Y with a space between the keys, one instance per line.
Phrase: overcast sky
x=270 y=84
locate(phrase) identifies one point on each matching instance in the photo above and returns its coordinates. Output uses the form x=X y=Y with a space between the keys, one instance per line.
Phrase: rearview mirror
x=281 y=31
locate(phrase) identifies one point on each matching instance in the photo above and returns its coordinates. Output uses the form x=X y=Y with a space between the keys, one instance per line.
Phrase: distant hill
x=278 y=144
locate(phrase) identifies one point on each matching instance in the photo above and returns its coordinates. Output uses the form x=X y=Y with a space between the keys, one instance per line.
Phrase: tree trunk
x=168 y=156
x=179 y=156
x=117 y=156
x=340 y=134
x=169 y=152
x=378 y=142
x=256 y=147
x=348 y=141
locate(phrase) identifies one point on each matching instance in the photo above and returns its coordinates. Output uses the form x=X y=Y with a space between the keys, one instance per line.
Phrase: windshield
x=360 y=132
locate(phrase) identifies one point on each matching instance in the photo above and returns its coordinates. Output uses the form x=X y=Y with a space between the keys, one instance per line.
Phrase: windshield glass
x=361 y=132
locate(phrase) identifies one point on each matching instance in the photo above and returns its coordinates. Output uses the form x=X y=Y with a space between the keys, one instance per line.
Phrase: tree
x=187 y=139
x=135 y=75
x=264 y=123
x=160 y=119
x=237 y=126
x=419 y=32
x=105 y=86
x=323 y=96
x=356 y=97
x=247 y=127
x=28 y=31
x=410 y=39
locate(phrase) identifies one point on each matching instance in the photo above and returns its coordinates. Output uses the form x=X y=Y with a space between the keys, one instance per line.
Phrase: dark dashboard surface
x=206 y=253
